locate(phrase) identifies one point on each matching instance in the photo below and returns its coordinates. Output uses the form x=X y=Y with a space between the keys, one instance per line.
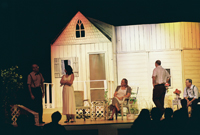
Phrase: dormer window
x=80 y=31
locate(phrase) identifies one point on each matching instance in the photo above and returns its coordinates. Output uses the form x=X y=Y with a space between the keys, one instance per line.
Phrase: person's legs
x=37 y=102
x=72 y=118
x=194 y=104
x=162 y=98
x=113 y=112
x=67 y=117
x=184 y=103
x=158 y=96
x=116 y=104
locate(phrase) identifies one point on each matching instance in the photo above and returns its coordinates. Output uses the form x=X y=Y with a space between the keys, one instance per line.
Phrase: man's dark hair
x=158 y=62
x=189 y=80
x=56 y=116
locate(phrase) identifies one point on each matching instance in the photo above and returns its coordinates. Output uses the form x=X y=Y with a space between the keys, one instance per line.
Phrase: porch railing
x=49 y=97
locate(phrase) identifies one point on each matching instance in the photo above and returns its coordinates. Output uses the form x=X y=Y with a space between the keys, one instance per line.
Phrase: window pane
x=82 y=33
x=77 y=34
x=82 y=27
x=77 y=27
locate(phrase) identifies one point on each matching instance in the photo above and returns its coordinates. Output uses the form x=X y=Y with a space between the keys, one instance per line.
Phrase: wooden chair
x=79 y=99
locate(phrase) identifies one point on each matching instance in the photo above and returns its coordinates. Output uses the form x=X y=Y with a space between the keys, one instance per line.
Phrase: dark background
x=27 y=27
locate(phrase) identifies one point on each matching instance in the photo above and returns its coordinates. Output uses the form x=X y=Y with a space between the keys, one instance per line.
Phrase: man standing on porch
x=159 y=78
x=35 y=85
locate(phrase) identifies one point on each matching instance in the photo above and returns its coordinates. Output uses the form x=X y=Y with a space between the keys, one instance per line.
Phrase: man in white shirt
x=190 y=95
x=159 y=78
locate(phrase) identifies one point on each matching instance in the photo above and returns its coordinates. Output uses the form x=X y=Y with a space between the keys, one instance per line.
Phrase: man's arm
x=196 y=94
x=42 y=85
x=154 y=77
x=168 y=76
x=185 y=96
x=153 y=81
x=29 y=88
x=167 y=81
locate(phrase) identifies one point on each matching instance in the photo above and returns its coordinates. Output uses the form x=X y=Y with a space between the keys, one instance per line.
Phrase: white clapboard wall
x=82 y=53
x=138 y=68
x=169 y=60
x=134 y=67
x=191 y=66
x=156 y=37
x=172 y=43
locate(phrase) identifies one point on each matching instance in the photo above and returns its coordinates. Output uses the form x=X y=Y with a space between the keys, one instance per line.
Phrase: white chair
x=177 y=102
x=134 y=94
x=125 y=103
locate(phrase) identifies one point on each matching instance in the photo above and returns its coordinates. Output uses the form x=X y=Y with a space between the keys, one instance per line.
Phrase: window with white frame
x=80 y=30
x=59 y=66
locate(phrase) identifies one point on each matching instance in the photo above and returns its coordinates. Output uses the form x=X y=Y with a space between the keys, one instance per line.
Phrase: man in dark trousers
x=159 y=78
x=35 y=85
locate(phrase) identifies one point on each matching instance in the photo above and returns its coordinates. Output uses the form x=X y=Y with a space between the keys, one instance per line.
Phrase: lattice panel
x=15 y=113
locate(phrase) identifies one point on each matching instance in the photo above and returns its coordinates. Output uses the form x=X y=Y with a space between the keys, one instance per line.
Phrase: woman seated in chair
x=123 y=91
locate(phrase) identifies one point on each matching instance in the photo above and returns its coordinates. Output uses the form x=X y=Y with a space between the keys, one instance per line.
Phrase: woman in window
x=69 y=106
x=122 y=91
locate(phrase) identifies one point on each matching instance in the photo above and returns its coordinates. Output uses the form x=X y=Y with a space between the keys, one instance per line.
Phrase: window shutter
x=57 y=65
x=75 y=66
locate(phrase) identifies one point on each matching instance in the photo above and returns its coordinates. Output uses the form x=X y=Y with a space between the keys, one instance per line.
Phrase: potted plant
x=133 y=112
x=132 y=100
x=133 y=109
x=177 y=92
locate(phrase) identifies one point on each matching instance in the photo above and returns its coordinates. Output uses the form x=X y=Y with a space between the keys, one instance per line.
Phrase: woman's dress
x=69 y=106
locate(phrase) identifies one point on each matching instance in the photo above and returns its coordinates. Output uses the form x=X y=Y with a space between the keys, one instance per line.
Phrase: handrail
x=51 y=95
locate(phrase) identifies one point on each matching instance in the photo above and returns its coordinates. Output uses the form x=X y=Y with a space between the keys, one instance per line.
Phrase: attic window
x=80 y=31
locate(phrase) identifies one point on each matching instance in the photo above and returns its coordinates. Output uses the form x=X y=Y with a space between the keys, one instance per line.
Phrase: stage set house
x=102 y=54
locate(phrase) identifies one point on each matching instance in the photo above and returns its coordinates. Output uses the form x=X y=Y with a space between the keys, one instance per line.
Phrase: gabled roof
x=58 y=34
x=105 y=28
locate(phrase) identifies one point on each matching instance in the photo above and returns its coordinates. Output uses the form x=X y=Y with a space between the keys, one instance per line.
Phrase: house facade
x=102 y=54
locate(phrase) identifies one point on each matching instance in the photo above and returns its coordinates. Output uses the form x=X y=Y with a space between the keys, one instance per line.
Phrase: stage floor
x=48 y=112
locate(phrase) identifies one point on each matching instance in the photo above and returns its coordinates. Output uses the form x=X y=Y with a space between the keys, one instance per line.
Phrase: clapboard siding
x=82 y=53
x=172 y=60
x=191 y=66
x=190 y=35
x=92 y=34
x=153 y=37
x=134 y=67
x=138 y=68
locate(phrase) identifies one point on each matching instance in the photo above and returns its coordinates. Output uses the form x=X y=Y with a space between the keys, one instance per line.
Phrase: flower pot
x=130 y=116
x=130 y=102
